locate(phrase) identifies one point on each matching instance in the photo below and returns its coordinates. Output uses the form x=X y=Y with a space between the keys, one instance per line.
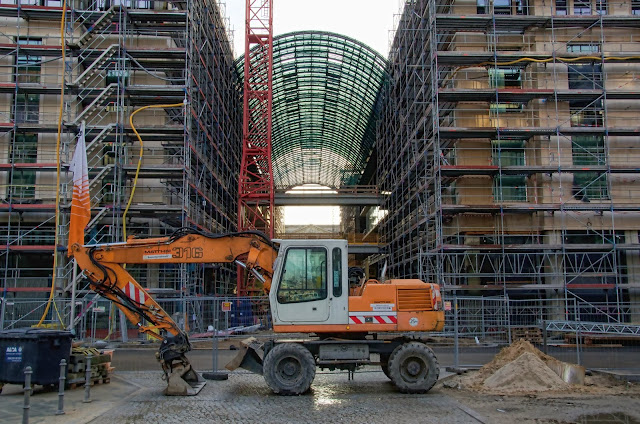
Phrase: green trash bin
x=40 y=349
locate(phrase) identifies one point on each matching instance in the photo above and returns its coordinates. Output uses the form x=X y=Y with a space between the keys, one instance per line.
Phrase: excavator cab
x=310 y=286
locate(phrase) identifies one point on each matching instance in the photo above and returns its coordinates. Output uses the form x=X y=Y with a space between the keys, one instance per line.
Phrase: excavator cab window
x=304 y=275
x=336 y=263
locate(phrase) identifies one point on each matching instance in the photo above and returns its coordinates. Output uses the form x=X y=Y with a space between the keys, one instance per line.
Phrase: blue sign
x=13 y=354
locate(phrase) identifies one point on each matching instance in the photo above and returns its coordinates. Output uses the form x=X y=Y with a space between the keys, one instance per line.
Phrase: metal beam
x=329 y=199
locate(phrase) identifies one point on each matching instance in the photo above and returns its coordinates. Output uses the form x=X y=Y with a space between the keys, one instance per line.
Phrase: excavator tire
x=289 y=369
x=413 y=368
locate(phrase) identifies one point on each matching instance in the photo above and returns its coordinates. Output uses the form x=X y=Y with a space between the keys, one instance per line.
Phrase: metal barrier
x=474 y=331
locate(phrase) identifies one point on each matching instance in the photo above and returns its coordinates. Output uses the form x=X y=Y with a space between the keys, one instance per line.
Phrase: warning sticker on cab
x=152 y=257
x=13 y=354
x=382 y=307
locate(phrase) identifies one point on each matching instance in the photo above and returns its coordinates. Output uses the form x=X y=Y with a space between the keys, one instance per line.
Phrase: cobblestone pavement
x=245 y=398
x=136 y=397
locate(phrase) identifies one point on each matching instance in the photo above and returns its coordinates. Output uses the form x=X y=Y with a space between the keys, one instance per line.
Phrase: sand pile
x=521 y=367
x=526 y=373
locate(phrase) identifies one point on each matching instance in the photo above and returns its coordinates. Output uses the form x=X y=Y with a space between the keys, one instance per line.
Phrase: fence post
x=63 y=377
x=456 y=359
x=27 y=395
x=544 y=337
x=2 y=309
x=87 y=380
x=215 y=374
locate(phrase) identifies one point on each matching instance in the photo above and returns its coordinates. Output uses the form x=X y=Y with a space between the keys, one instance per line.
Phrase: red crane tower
x=255 y=185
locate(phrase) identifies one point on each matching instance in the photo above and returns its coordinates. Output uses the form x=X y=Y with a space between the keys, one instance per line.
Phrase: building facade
x=119 y=56
x=508 y=149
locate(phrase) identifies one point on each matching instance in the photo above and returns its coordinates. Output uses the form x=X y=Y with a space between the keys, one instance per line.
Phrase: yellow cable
x=135 y=180
x=59 y=136
x=547 y=60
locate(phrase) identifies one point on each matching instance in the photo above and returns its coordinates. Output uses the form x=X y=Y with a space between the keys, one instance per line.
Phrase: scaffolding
x=120 y=56
x=508 y=148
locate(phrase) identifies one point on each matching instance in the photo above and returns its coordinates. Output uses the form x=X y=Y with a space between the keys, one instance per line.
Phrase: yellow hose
x=532 y=59
x=59 y=136
x=135 y=180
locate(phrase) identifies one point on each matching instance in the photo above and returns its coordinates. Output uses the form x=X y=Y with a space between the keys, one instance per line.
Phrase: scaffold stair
x=103 y=22
x=98 y=178
x=96 y=103
x=96 y=66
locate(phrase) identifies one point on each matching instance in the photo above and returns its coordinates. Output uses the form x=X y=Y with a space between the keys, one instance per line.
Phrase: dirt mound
x=526 y=373
x=511 y=353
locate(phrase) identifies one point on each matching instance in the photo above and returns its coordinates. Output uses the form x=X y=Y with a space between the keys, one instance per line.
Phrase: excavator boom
x=104 y=266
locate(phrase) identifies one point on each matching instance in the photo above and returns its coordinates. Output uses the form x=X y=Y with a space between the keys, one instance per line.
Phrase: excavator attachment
x=249 y=357
x=182 y=379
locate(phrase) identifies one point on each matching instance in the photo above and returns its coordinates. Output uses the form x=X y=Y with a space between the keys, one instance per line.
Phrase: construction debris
x=521 y=368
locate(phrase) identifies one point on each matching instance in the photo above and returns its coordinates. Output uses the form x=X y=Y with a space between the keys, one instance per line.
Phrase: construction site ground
x=136 y=397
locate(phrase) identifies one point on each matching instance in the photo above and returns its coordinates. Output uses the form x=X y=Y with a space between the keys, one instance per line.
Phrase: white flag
x=80 y=205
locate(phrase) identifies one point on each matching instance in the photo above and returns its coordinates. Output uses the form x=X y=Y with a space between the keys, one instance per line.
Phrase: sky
x=368 y=21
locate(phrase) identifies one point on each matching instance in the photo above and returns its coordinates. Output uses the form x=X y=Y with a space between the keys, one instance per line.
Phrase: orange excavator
x=309 y=292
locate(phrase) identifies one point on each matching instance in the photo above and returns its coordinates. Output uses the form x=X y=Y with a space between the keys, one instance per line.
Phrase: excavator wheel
x=289 y=369
x=413 y=368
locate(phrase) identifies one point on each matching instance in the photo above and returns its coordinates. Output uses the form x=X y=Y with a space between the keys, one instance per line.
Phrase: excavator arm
x=104 y=266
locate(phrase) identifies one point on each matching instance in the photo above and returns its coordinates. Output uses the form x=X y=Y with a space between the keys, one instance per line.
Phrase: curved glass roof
x=325 y=104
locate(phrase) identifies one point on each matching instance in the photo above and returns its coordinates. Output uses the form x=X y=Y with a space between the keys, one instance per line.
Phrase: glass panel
x=505 y=77
x=23 y=184
x=601 y=7
x=588 y=150
x=510 y=188
x=25 y=148
x=584 y=77
x=336 y=261
x=304 y=276
x=635 y=7
x=561 y=7
x=582 y=7
x=508 y=152
x=590 y=186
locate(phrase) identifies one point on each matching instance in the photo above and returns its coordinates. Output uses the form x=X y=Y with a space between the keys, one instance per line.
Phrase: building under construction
x=508 y=149
x=499 y=135
x=118 y=57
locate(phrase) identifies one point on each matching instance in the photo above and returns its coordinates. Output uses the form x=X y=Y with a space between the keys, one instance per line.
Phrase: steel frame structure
x=255 y=185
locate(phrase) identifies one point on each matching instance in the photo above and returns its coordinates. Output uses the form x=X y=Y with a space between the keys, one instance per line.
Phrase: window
x=24 y=148
x=585 y=77
x=27 y=108
x=590 y=186
x=23 y=184
x=507 y=152
x=582 y=7
x=635 y=7
x=588 y=150
x=502 y=7
x=336 y=263
x=586 y=114
x=510 y=188
x=304 y=276
x=506 y=107
x=505 y=77
x=481 y=7
x=561 y=7
x=601 y=7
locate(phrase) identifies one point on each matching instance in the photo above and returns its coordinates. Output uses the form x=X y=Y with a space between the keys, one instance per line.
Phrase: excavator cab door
x=302 y=291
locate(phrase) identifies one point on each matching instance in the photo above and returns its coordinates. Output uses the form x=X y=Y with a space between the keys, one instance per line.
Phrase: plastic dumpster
x=40 y=349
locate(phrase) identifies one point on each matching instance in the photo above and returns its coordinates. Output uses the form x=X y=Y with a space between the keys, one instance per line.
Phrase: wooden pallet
x=74 y=384
x=531 y=334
